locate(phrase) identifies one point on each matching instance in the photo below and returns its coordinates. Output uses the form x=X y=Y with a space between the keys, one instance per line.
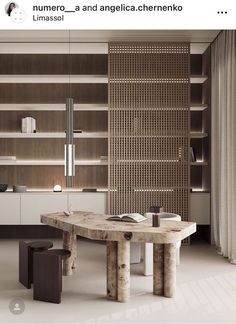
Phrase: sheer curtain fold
x=223 y=59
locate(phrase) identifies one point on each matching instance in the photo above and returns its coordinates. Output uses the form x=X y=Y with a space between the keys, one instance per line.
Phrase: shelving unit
x=35 y=81
x=200 y=109
x=36 y=78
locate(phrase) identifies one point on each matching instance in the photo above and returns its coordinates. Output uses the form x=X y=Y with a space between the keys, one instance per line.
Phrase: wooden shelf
x=53 y=135
x=198 y=107
x=198 y=163
x=79 y=163
x=148 y=161
x=52 y=107
x=50 y=191
x=50 y=162
x=76 y=47
x=80 y=107
x=199 y=191
x=193 y=79
x=198 y=78
x=24 y=78
x=53 y=47
x=91 y=135
x=198 y=135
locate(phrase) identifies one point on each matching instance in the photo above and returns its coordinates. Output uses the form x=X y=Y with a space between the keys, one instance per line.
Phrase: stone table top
x=97 y=227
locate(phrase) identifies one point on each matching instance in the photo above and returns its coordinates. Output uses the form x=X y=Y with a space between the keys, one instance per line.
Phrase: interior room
x=138 y=124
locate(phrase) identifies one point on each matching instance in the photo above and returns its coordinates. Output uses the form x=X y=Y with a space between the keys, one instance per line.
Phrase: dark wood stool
x=48 y=275
x=26 y=253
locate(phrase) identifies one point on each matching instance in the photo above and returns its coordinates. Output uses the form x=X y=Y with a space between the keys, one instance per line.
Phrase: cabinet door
x=33 y=205
x=10 y=209
x=92 y=202
x=200 y=208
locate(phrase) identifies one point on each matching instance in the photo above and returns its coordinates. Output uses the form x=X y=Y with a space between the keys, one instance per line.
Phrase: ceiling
x=193 y=36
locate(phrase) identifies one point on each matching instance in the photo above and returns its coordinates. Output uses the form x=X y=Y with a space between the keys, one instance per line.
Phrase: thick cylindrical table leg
x=169 y=270
x=158 y=269
x=69 y=243
x=123 y=280
x=111 y=270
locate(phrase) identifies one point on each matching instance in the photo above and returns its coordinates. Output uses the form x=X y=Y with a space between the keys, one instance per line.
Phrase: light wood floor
x=206 y=291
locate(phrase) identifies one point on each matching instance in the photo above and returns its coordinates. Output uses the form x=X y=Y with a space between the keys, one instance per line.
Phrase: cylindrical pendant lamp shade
x=69 y=146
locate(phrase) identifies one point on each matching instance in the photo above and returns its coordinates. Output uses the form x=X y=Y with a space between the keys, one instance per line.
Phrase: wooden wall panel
x=53 y=93
x=53 y=63
x=149 y=127
x=196 y=93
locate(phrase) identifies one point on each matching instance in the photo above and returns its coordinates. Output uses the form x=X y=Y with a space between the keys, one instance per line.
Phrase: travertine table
x=118 y=236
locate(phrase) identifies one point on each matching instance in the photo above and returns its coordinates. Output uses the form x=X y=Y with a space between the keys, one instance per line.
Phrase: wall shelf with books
x=200 y=120
x=36 y=83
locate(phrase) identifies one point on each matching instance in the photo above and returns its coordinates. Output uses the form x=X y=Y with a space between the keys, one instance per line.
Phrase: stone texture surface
x=169 y=270
x=111 y=270
x=123 y=275
x=158 y=269
x=97 y=227
x=70 y=243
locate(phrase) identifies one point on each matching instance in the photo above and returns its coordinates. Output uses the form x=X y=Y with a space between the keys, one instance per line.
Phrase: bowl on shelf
x=3 y=187
x=19 y=189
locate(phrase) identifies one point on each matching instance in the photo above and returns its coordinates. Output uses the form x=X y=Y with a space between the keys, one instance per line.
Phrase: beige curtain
x=224 y=143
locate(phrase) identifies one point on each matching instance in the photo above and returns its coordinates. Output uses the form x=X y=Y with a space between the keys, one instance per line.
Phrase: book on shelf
x=89 y=190
x=104 y=158
x=132 y=218
x=7 y=158
x=193 y=154
x=76 y=131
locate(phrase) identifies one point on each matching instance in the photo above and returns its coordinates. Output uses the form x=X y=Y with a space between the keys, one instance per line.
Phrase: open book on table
x=132 y=218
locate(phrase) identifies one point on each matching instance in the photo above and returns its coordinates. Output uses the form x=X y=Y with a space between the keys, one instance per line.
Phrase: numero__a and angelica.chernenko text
x=89 y=8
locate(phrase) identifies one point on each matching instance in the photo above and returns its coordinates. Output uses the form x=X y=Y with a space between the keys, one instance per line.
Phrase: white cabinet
x=200 y=211
x=33 y=205
x=9 y=209
x=93 y=202
x=26 y=208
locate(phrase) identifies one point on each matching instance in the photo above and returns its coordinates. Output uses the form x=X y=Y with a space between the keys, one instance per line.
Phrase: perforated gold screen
x=149 y=127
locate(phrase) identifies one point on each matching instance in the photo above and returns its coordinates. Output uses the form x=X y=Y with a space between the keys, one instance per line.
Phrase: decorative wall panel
x=149 y=90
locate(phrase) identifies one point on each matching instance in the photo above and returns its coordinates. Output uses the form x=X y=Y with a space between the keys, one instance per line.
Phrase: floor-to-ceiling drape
x=224 y=143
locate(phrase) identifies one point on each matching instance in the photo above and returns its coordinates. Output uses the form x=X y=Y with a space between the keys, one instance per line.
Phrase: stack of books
x=7 y=158
x=104 y=158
